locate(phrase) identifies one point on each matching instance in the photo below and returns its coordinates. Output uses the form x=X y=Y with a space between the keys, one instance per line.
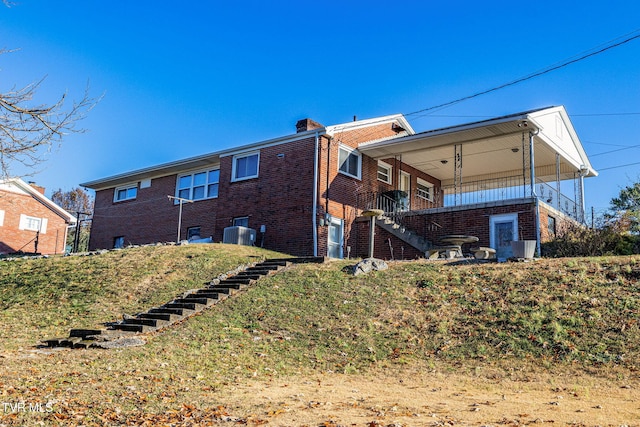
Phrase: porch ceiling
x=492 y=148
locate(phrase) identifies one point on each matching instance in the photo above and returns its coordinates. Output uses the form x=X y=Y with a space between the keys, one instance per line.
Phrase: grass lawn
x=294 y=347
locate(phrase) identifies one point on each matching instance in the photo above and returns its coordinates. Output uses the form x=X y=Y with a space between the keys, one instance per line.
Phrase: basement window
x=118 y=242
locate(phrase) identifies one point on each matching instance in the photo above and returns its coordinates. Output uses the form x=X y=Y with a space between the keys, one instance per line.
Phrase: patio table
x=458 y=240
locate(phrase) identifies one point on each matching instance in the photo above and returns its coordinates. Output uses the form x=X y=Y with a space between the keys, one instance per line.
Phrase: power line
x=615 y=151
x=618 y=167
x=533 y=75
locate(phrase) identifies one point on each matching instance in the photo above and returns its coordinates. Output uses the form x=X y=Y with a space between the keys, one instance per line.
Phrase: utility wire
x=530 y=76
x=618 y=167
x=615 y=151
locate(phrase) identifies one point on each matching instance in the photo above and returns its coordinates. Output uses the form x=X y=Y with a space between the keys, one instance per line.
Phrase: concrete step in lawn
x=174 y=311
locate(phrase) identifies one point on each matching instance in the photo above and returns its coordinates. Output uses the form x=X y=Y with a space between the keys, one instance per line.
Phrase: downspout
x=326 y=207
x=533 y=188
x=314 y=210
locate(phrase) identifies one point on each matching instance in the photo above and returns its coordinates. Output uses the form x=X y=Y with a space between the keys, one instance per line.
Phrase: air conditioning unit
x=239 y=235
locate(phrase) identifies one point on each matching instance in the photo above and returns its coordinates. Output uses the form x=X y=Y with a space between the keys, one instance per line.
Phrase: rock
x=368 y=265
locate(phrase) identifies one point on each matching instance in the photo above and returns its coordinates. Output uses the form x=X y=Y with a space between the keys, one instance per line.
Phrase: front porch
x=527 y=167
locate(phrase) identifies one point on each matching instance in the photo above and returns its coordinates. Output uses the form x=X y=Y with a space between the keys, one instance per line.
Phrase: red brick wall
x=474 y=222
x=281 y=198
x=12 y=239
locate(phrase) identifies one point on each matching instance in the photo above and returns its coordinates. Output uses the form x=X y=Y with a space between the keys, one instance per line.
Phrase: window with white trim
x=425 y=190
x=127 y=192
x=31 y=223
x=349 y=162
x=245 y=166
x=198 y=185
x=384 y=172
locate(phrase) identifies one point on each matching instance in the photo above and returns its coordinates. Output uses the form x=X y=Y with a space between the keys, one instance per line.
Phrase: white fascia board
x=26 y=188
x=191 y=163
x=584 y=161
x=399 y=118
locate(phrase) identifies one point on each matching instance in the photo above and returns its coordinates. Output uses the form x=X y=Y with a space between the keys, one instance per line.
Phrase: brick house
x=304 y=193
x=29 y=221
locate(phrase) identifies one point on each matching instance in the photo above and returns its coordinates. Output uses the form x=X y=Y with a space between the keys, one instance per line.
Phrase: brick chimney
x=37 y=187
x=307 y=124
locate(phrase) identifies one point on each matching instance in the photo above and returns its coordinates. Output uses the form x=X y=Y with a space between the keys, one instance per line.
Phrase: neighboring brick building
x=304 y=193
x=29 y=221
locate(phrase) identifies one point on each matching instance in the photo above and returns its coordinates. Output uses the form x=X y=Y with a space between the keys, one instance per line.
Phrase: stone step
x=156 y=323
x=253 y=275
x=83 y=333
x=238 y=280
x=167 y=317
x=132 y=328
x=198 y=299
x=210 y=293
x=184 y=305
x=222 y=291
x=175 y=311
x=233 y=285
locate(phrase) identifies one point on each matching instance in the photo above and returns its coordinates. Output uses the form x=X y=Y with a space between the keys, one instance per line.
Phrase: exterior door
x=503 y=229
x=405 y=186
x=336 y=238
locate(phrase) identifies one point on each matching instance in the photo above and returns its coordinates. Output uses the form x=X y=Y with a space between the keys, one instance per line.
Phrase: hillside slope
x=561 y=315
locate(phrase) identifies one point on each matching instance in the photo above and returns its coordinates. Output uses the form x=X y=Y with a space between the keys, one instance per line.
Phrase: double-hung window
x=127 y=192
x=199 y=185
x=425 y=190
x=31 y=223
x=245 y=166
x=349 y=162
x=384 y=172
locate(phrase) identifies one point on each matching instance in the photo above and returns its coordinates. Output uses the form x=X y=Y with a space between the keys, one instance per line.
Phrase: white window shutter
x=1 y=218
x=23 y=222
x=43 y=225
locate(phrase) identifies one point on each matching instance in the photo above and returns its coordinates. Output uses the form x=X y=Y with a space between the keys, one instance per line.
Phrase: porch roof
x=492 y=148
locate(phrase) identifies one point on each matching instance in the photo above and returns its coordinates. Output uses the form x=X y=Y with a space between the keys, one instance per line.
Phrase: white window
x=245 y=166
x=349 y=162
x=31 y=223
x=198 y=185
x=1 y=218
x=128 y=192
x=425 y=190
x=384 y=172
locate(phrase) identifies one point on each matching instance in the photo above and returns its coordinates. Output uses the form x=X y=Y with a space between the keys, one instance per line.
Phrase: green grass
x=550 y=314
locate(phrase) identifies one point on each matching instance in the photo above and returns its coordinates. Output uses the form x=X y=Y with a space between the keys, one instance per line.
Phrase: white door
x=405 y=185
x=503 y=229
x=336 y=238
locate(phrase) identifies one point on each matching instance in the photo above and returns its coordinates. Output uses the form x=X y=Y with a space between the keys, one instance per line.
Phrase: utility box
x=239 y=235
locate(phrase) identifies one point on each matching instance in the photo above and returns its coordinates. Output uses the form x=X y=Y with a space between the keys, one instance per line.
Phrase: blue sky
x=183 y=79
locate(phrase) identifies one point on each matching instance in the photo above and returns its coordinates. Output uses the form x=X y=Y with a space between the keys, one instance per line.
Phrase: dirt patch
x=436 y=399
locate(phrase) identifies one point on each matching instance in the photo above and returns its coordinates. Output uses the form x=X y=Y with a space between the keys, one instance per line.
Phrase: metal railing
x=469 y=193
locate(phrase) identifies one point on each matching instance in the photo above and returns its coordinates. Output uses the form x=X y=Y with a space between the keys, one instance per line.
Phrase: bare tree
x=29 y=131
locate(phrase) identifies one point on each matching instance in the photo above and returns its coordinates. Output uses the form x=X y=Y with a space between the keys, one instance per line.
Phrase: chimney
x=37 y=187
x=307 y=124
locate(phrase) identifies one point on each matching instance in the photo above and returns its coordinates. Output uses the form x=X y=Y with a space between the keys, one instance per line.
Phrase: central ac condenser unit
x=239 y=235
